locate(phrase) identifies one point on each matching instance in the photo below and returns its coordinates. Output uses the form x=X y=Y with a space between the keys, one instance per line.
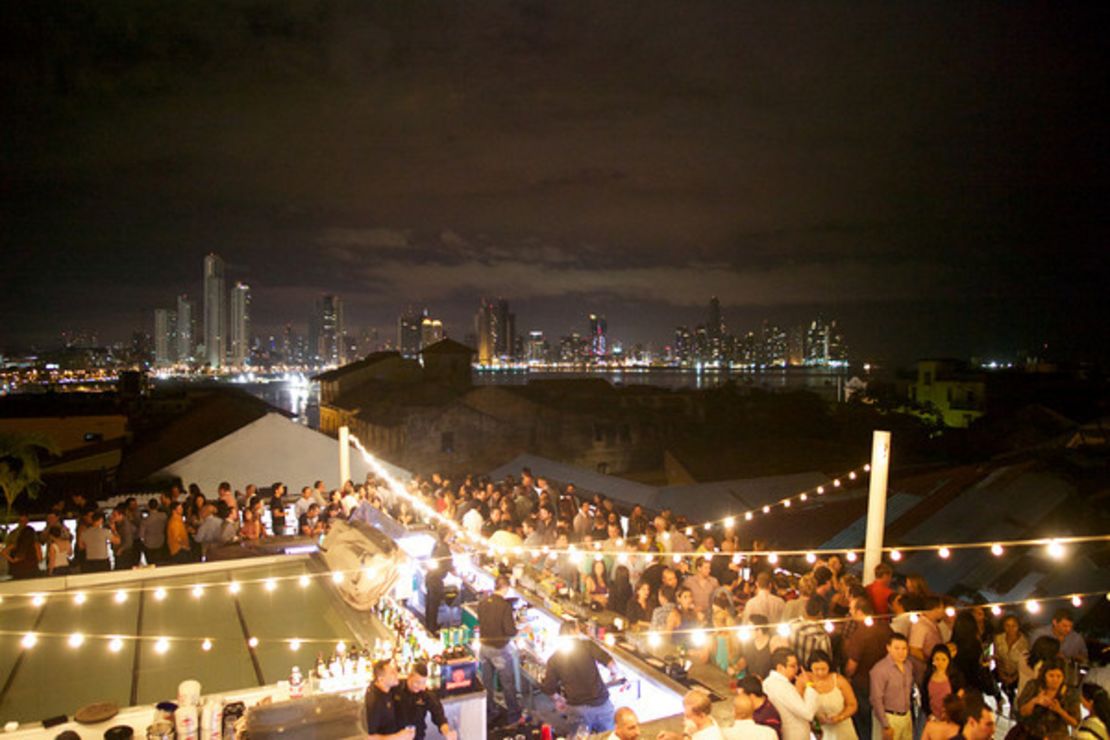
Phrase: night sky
x=935 y=175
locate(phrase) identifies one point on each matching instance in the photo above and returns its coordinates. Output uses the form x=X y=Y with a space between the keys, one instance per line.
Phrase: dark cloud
x=789 y=157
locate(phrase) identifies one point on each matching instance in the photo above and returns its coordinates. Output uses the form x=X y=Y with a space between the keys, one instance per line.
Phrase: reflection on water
x=303 y=399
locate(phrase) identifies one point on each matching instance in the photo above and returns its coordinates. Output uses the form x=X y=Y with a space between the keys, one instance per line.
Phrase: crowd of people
x=898 y=661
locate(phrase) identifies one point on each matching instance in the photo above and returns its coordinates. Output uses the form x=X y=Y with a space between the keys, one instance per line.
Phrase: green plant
x=20 y=471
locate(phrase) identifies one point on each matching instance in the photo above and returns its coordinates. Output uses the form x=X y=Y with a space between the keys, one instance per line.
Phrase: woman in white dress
x=836 y=702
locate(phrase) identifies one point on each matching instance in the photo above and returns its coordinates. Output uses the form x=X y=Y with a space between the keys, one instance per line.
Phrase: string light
x=773 y=558
x=836 y=483
x=29 y=640
x=744 y=633
x=234 y=587
x=1033 y=606
x=829 y=626
x=1055 y=549
x=38 y=600
x=851 y=556
x=783 y=630
x=944 y=552
x=161 y=646
x=997 y=550
x=207 y=645
x=895 y=555
x=811 y=557
x=270 y=584
x=121 y=596
x=996 y=610
x=76 y=640
x=79 y=598
x=869 y=620
x=294 y=644
x=253 y=642
x=159 y=594
x=1076 y=601
x=303 y=580
x=115 y=644
x=950 y=612
x=198 y=590
x=655 y=639
x=337 y=576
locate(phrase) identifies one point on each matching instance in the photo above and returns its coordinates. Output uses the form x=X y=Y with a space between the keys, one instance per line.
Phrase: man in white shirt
x=301 y=507
x=764 y=602
x=697 y=724
x=745 y=728
x=472 y=521
x=796 y=710
x=626 y=725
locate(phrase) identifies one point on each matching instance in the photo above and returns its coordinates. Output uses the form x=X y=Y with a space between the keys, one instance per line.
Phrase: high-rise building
x=409 y=333
x=215 y=312
x=824 y=346
x=715 y=332
x=683 y=345
x=599 y=347
x=240 y=325
x=537 y=347
x=331 y=347
x=431 y=331
x=773 y=347
x=485 y=331
x=185 y=334
x=505 y=341
x=165 y=337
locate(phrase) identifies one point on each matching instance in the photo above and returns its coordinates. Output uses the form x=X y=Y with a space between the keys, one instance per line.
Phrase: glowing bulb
x=783 y=630
x=852 y=557
x=773 y=558
x=730 y=522
x=867 y=468
x=749 y=516
x=895 y=555
x=159 y=594
x=829 y=626
x=76 y=640
x=79 y=598
x=786 y=503
x=811 y=558
x=654 y=639
x=802 y=497
x=198 y=591
x=996 y=610
x=643 y=539
x=1055 y=549
x=744 y=633
x=1076 y=601
x=697 y=637
x=836 y=483
x=708 y=526
x=1033 y=606
x=852 y=475
x=622 y=559
x=303 y=581
x=206 y=645
x=737 y=558
x=677 y=558
x=914 y=617
x=433 y=566
x=337 y=576
x=689 y=531
x=996 y=549
x=820 y=490
x=294 y=644
x=38 y=600
x=29 y=640
x=253 y=642
x=115 y=645
x=944 y=552
x=161 y=646
x=950 y=612
x=598 y=557
x=234 y=587
x=270 y=584
x=340 y=647
x=766 y=509
x=121 y=596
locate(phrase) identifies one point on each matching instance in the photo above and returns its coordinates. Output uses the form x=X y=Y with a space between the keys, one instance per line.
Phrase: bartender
x=415 y=703
x=573 y=678
x=438 y=567
x=383 y=721
x=497 y=654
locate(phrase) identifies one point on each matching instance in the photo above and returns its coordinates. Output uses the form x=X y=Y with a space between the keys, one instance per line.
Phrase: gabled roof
x=371 y=359
x=448 y=347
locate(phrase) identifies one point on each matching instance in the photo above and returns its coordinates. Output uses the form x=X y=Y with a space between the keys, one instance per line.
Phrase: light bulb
x=773 y=558
x=253 y=642
x=76 y=640
x=159 y=594
x=950 y=612
x=829 y=626
x=867 y=468
x=29 y=640
x=121 y=596
x=836 y=483
x=234 y=587
x=820 y=490
x=206 y=645
x=996 y=610
x=1076 y=601
x=944 y=552
x=79 y=598
x=270 y=584
x=1055 y=549
x=198 y=591
x=914 y=616
x=38 y=600
x=811 y=558
x=786 y=503
x=802 y=497
x=161 y=646
x=868 y=620
x=783 y=630
x=996 y=549
x=852 y=475
x=749 y=516
x=654 y=639
x=766 y=509
x=1033 y=606
x=744 y=634
x=337 y=576
x=852 y=557
x=895 y=555
x=697 y=637
x=708 y=526
x=303 y=581
x=294 y=644
x=115 y=645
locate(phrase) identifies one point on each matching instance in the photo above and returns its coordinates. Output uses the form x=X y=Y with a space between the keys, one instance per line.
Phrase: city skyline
x=938 y=189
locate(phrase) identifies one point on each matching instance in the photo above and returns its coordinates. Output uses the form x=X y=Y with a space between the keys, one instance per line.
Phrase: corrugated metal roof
x=854 y=534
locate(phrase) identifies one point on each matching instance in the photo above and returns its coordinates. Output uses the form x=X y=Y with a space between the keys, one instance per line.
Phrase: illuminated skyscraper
x=485 y=330
x=185 y=337
x=599 y=347
x=165 y=337
x=240 y=328
x=431 y=331
x=215 y=312
x=331 y=347
x=495 y=328
x=409 y=333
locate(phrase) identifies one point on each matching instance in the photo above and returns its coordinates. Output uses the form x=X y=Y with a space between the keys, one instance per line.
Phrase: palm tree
x=20 y=471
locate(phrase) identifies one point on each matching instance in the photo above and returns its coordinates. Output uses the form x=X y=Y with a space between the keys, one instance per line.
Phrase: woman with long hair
x=1043 y=648
x=836 y=702
x=639 y=608
x=1047 y=706
x=620 y=592
x=252 y=529
x=177 y=538
x=1097 y=703
x=1010 y=648
x=23 y=555
x=597 y=584
x=944 y=679
x=969 y=653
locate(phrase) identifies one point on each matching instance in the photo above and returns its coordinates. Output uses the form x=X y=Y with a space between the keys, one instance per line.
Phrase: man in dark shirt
x=497 y=653
x=438 y=567
x=572 y=673
x=415 y=702
x=383 y=721
x=863 y=649
x=277 y=510
x=764 y=711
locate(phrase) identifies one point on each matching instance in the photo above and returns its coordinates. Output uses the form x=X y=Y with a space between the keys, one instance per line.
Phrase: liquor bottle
x=321 y=668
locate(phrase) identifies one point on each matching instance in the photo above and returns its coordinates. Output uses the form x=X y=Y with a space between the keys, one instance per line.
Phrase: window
x=447 y=442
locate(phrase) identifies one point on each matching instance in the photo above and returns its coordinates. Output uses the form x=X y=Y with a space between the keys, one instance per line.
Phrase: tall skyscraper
x=714 y=332
x=505 y=338
x=331 y=348
x=165 y=337
x=215 y=312
x=240 y=327
x=431 y=331
x=185 y=339
x=409 y=333
x=537 y=347
x=485 y=330
x=683 y=345
x=598 y=340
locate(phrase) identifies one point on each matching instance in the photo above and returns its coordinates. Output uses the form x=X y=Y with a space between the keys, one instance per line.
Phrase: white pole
x=344 y=455
x=876 y=504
